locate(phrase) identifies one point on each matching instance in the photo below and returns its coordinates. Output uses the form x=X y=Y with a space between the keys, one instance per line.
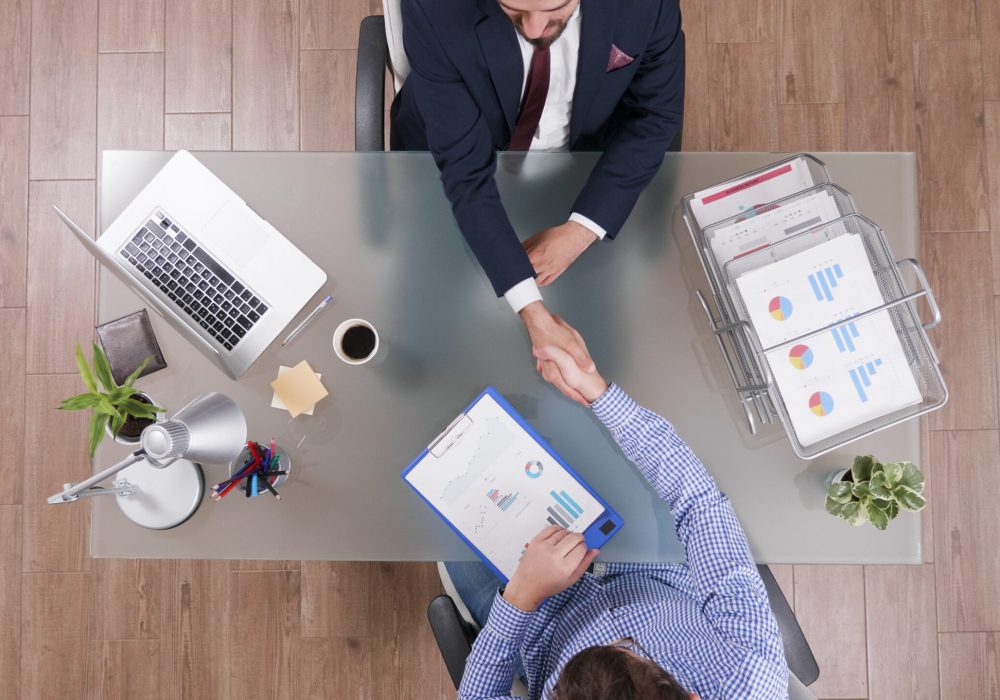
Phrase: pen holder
x=284 y=464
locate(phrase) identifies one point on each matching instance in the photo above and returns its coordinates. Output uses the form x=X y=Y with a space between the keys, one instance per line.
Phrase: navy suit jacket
x=461 y=100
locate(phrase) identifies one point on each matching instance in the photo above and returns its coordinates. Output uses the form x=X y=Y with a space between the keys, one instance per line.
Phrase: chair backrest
x=398 y=62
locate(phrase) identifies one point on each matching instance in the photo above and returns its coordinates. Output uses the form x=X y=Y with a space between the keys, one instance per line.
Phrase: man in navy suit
x=587 y=75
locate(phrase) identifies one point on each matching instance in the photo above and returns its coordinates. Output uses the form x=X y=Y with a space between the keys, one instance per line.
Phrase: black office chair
x=455 y=637
x=369 y=95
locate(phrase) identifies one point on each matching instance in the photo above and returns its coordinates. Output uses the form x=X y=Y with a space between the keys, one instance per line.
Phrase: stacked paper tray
x=782 y=364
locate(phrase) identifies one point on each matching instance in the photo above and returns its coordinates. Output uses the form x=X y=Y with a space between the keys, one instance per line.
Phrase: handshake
x=561 y=356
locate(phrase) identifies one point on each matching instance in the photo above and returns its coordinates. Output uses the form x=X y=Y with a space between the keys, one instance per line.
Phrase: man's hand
x=552 y=250
x=555 y=559
x=556 y=365
x=546 y=330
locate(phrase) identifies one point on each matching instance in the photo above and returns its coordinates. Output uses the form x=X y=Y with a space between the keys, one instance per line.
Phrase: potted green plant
x=876 y=492
x=120 y=411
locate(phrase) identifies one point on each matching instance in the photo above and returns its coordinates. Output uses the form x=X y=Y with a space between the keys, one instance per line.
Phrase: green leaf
x=912 y=477
x=105 y=406
x=122 y=392
x=878 y=517
x=878 y=487
x=893 y=473
x=103 y=369
x=75 y=403
x=138 y=409
x=862 y=469
x=892 y=510
x=95 y=431
x=909 y=499
x=130 y=379
x=853 y=513
x=84 y=367
x=117 y=422
x=834 y=507
x=861 y=491
x=840 y=491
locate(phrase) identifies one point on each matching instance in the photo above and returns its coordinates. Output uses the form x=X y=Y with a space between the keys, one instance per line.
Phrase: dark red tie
x=535 y=92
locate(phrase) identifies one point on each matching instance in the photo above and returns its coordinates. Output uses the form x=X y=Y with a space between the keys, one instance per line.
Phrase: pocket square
x=618 y=59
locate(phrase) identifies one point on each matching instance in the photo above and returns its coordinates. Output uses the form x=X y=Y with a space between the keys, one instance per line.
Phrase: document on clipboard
x=497 y=484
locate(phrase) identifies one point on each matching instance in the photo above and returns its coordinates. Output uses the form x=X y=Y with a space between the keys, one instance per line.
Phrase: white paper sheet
x=723 y=201
x=842 y=378
x=763 y=229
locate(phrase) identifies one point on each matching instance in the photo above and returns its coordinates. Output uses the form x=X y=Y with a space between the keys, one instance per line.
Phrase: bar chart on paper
x=862 y=375
x=824 y=282
x=563 y=510
x=503 y=501
x=844 y=336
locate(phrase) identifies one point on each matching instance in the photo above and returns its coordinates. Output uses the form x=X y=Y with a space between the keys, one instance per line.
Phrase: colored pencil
x=238 y=475
x=270 y=488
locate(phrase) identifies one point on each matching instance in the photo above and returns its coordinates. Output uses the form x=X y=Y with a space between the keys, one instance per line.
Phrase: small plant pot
x=132 y=430
x=839 y=475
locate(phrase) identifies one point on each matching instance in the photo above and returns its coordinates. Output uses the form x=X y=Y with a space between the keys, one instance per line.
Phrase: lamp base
x=166 y=497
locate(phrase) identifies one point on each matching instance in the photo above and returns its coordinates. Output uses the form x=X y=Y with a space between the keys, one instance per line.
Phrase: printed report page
x=499 y=487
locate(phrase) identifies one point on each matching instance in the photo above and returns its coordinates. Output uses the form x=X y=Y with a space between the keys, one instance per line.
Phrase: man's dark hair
x=611 y=673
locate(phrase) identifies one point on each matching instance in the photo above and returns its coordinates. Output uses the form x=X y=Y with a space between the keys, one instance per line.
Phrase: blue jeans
x=476 y=585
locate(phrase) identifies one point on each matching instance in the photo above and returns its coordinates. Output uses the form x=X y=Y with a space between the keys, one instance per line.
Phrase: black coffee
x=358 y=342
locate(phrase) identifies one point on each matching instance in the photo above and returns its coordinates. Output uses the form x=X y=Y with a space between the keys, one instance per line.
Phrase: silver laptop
x=198 y=255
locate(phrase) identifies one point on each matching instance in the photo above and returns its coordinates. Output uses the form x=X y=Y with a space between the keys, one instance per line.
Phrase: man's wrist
x=595 y=389
x=514 y=595
x=589 y=224
x=534 y=312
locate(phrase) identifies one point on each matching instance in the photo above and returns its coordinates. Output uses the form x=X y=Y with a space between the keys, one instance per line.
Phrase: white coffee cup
x=338 y=341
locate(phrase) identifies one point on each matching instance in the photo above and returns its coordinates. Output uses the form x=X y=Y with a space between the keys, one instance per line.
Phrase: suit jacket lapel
x=503 y=56
x=596 y=35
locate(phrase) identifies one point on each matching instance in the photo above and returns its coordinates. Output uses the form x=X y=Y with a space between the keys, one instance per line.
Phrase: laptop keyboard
x=194 y=281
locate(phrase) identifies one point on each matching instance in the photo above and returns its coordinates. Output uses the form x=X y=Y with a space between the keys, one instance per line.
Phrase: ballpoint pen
x=307 y=320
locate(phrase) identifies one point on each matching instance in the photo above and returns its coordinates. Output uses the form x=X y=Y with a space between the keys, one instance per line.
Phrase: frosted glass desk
x=380 y=226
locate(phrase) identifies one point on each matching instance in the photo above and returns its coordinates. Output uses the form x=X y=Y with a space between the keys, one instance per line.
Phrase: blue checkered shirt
x=707 y=622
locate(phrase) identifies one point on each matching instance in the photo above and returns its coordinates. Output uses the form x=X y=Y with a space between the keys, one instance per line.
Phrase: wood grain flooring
x=15 y=56
x=80 y=75
x=13 y=210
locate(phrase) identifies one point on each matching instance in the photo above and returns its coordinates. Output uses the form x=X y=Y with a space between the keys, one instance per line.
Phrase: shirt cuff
x=506 y=620
x=522 y=294
x=614 y=407
x=584 y=221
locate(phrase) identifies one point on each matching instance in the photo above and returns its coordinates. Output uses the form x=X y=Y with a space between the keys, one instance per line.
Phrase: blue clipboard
x=603 y=528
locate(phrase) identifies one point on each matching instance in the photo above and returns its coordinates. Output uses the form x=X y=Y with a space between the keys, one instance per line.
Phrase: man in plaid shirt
x=701 y=629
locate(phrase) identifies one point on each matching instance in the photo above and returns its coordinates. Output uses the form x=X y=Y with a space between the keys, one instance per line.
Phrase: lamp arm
x=71 y=493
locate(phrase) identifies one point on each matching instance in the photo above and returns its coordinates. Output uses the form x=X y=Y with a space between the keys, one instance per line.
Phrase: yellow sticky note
x=299 y=389
x=276 y=401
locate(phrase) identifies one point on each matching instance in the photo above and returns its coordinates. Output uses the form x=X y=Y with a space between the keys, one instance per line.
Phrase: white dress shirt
x=553 y=126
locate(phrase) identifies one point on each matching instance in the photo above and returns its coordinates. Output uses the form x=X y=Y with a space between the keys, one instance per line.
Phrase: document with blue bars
x=842 y=378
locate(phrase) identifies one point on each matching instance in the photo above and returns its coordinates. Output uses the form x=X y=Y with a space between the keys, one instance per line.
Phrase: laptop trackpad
x=236 y=233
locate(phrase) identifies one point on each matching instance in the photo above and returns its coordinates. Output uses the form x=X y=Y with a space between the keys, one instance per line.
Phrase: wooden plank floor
x=80 y=75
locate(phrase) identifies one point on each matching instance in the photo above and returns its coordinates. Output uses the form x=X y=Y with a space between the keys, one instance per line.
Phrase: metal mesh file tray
x=757 y=232
x=892 y=304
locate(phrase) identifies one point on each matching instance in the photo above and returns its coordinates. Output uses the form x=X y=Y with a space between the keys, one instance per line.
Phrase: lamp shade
x=211 y=428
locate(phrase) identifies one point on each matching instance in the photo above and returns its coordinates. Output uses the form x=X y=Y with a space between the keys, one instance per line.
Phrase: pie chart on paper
x=800 y=356
x=821 y=403
x=533 y=469
x=780 y=308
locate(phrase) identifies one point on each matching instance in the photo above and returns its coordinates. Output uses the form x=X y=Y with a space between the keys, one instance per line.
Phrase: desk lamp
x=209 y=429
